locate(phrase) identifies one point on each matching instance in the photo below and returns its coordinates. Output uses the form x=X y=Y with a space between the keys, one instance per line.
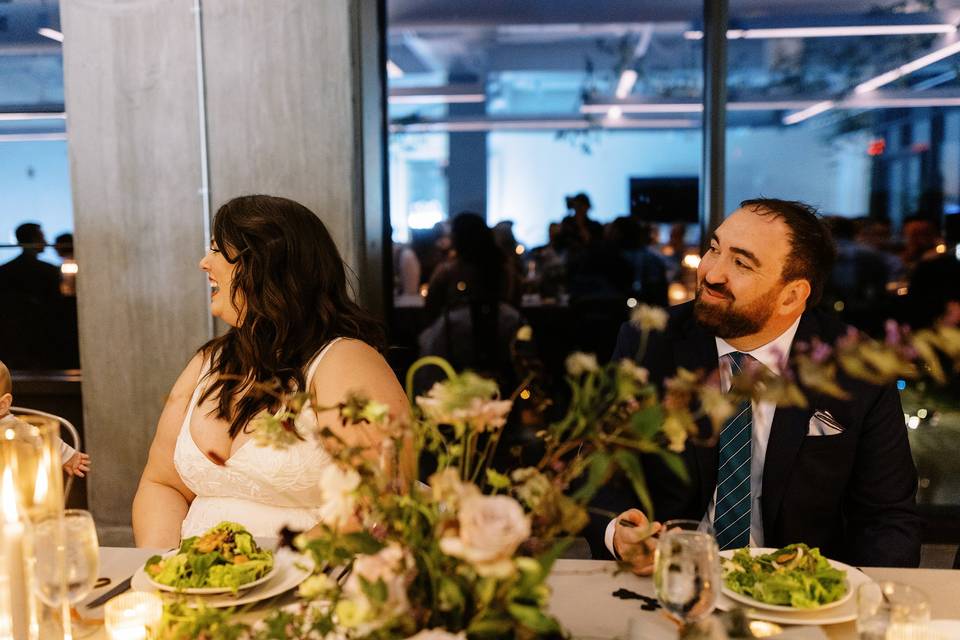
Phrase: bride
x=278 y=280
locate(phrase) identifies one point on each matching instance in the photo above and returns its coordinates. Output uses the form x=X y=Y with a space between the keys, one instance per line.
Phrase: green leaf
x=376 y=592
x=647 y=423
x=450 y=595
x=497 y=480
x=550 y=556
x=491 y=628
x=533 y=618
x=632 y=468
x=486 y=589
x=675 y=463
x=361 y=542
x=597 y=468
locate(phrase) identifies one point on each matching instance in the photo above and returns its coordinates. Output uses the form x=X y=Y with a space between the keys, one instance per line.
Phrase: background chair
x=68 y=433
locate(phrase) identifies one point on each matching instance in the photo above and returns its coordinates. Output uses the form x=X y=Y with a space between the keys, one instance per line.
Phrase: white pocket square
x=824 y=424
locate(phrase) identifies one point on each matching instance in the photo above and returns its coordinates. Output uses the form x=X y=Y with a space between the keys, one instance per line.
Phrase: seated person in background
x=837 y=474
x=75 y=463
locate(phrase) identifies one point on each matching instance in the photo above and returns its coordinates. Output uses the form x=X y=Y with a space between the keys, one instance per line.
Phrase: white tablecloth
x=583 y=600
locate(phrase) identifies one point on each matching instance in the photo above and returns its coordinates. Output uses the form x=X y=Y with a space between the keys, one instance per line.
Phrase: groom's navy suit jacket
x=853 y=494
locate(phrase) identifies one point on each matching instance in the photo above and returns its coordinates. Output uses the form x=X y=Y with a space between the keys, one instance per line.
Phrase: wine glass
x=81 y=554
x=686 y=573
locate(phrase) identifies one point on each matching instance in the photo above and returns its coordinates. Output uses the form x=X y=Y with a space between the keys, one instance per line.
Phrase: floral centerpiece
x=468 y=553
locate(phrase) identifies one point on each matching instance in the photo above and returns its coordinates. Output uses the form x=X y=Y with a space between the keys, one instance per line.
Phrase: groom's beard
x=727 y=319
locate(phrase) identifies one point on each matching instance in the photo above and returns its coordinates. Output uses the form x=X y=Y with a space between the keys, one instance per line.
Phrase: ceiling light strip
x=830 y=32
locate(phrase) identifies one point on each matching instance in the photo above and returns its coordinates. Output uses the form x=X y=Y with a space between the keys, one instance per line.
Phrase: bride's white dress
x=262 y=488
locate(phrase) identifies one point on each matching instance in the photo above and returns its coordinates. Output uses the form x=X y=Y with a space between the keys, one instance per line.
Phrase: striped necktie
x=732 y=513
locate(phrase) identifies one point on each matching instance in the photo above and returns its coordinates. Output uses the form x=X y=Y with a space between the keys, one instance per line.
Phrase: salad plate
x=845 y=570
x=225 y=559
x=290 y=569
x=844 y=610
x=208 y=591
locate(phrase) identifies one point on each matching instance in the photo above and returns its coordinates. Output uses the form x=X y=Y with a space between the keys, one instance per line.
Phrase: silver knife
x=117 y=590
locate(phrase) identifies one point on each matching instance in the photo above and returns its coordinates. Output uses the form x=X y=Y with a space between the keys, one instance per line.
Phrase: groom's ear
x=5 y=401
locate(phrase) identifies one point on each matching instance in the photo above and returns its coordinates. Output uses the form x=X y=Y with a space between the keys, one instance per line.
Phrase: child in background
x=76 y=463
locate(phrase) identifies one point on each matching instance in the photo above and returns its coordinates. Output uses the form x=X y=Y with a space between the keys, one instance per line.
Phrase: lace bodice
x=261 y=487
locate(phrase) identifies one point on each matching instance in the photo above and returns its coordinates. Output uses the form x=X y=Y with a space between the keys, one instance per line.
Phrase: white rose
x=338 y=488
x=491 y=529
x=579 y=363
x=629 y=368
x=392 y=564
x=647 y=318
x=438 y=634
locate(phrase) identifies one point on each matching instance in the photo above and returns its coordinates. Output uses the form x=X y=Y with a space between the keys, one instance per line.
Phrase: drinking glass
x=81 y=553
x=686 y=573
x=891 y=610
x=688 y=525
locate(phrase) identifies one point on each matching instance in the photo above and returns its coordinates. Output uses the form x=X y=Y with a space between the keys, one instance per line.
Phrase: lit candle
x=14 y=609
x=130 y=616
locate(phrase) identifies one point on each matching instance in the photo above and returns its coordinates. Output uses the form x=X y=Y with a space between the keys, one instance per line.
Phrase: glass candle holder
x=31 y=488
x=130 y=616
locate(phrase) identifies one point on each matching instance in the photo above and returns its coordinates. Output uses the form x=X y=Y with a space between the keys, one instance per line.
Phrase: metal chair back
x=68 y=433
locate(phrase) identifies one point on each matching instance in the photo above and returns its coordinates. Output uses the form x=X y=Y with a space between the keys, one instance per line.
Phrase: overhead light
x=437 y=98
x=32 y=137
x=17 y=117
x=615 y=113
x=644 y=107
x=537 y=124
x=908 y=68
x=394 y=70
x=830 y=32
x=450 y=94
x=628 y=78
x=809 y=112
x=53 y=34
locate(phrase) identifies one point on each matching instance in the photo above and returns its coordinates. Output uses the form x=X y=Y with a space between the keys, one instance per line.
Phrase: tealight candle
x=130 y=615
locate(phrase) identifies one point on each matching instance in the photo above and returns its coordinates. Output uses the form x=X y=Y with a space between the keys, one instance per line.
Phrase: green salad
x=225 y=556
x=794 y=576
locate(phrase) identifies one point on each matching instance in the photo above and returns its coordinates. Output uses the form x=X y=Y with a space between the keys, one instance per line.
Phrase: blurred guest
x=586 y=231
x=63 y=245
x=674 y=250
x=476 y=270
x=921 y=235
x=432 y=247
x=546 y=266
x=649 y=283
x=26 y=276
x=876 y=234
x=406 y=270
x=31 y=332
x=507 y=243
x=469 y=303
x=858 y=283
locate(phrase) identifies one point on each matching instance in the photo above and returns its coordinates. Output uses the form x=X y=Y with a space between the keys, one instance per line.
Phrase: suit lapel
x=787 y=432
x=694 y=350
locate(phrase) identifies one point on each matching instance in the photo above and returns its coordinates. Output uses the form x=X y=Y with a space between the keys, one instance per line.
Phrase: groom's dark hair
x=812 y=250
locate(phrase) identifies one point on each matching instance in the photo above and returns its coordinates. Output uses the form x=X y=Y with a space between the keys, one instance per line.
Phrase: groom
x=836 y=475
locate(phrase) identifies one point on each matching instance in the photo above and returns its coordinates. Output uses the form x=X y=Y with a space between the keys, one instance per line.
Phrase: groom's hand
x=636 y=544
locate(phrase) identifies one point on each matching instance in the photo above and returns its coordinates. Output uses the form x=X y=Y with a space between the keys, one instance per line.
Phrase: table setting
x=472 y=552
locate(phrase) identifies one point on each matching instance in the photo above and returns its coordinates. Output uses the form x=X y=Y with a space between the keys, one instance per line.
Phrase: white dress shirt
x=772 y=355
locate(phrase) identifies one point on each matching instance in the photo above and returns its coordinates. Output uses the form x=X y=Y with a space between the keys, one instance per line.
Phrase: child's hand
x=78 y=464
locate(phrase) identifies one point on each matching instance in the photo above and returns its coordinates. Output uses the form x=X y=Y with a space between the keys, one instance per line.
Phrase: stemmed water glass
x=81 y=553
x=686 y=572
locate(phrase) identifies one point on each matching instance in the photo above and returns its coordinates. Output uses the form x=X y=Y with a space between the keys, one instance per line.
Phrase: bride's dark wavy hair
x=293 y=300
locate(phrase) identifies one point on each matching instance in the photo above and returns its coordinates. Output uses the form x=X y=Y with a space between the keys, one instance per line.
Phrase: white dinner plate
x=289 y=570
x=843 y=610
x=747 y=600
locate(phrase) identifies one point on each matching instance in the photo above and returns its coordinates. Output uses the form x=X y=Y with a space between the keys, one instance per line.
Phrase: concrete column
x=284 y=95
